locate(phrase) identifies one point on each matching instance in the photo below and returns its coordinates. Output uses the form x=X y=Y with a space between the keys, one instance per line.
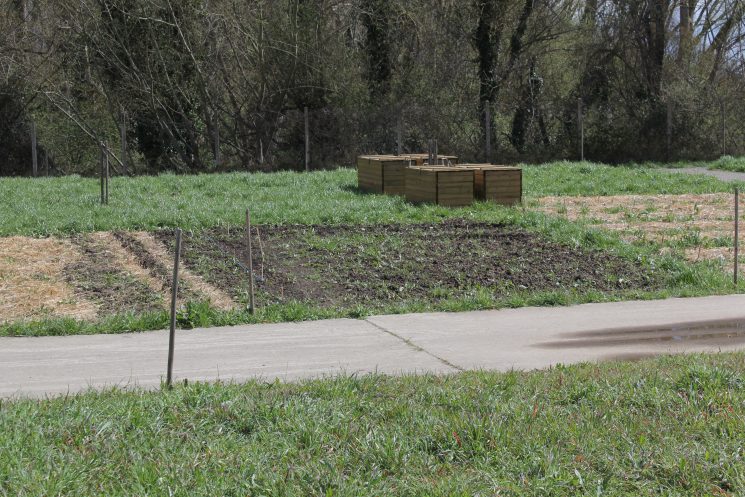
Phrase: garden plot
x=91 y=276
x=32 y=280
x=379 y=265
x=106 y=274
x=701 y=225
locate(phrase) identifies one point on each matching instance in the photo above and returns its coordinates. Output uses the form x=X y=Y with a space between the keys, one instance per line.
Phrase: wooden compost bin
x=500 y=184
x=449 y=186
x=382 y=174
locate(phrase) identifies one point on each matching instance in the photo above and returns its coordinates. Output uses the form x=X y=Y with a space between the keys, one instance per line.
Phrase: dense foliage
x=202 y=86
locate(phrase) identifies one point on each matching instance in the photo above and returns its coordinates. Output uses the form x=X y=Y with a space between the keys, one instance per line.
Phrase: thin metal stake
x=174 y=293
x=737 y=231
x=251 y=308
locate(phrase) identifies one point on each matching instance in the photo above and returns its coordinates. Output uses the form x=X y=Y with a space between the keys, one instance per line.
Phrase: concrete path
x=717 y=173
x=525 y=338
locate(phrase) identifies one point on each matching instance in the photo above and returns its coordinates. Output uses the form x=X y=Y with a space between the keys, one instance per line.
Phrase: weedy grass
x=729 y=163
x=666 y=426
x=47 y=206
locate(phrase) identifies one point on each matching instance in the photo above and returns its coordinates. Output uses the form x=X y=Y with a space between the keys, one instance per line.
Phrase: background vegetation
x=221 y=85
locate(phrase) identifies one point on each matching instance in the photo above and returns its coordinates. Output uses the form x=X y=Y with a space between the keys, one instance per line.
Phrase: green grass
x=45 y=206
x=729 y=163
x=669 y=426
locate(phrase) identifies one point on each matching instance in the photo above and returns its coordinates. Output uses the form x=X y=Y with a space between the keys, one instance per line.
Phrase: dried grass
x=659 y=218
x=32 y=281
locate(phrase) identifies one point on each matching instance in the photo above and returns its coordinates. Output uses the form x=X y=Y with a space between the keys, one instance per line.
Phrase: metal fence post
x=34 y=156
x=249 y=249
x=307 y=140
x=737 y=232
x=581 y=129
x=174 y=294
x=487 y=132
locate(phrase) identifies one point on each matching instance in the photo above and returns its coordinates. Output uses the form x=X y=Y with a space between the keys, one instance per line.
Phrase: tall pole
x=307 y=140
x=249 y=250
x=106 y=175
x=724 y=129
x=34 y=156
x=737 y=231
x=399 y=137
x=669 y=131
x=123 y=142
x=487 y=132
x=174 y=293
x=581 y=129
x=102 y=172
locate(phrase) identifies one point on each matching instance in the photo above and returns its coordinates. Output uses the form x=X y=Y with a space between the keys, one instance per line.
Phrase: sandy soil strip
x=217 y=297
x=32 y=281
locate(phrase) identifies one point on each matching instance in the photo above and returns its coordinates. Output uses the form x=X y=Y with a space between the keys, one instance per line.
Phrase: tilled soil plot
x=376 y=265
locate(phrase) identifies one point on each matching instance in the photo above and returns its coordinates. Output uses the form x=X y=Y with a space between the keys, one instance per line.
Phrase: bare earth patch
x=32 y=283
x=700 y=224
x=203 y=289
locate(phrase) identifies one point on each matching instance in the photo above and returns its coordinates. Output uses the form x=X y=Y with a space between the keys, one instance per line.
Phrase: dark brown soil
x=111 y=288
x=382 y=264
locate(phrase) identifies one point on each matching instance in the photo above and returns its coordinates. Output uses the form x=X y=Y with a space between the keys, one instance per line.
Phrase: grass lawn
x=729 y=163
x=44 y=206
x=668 y=426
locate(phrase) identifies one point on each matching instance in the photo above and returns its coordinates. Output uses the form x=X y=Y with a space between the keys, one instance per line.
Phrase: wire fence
x=700 y=129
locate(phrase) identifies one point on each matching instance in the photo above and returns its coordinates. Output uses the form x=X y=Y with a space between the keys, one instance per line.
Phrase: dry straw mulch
x=32 y=282
x=667 y=219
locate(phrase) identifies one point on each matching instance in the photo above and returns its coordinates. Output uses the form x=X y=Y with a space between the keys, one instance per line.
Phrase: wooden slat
x=456 y=189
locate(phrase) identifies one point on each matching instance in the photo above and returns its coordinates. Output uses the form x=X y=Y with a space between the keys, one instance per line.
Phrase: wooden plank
x=505 y=191
x=447 y=190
